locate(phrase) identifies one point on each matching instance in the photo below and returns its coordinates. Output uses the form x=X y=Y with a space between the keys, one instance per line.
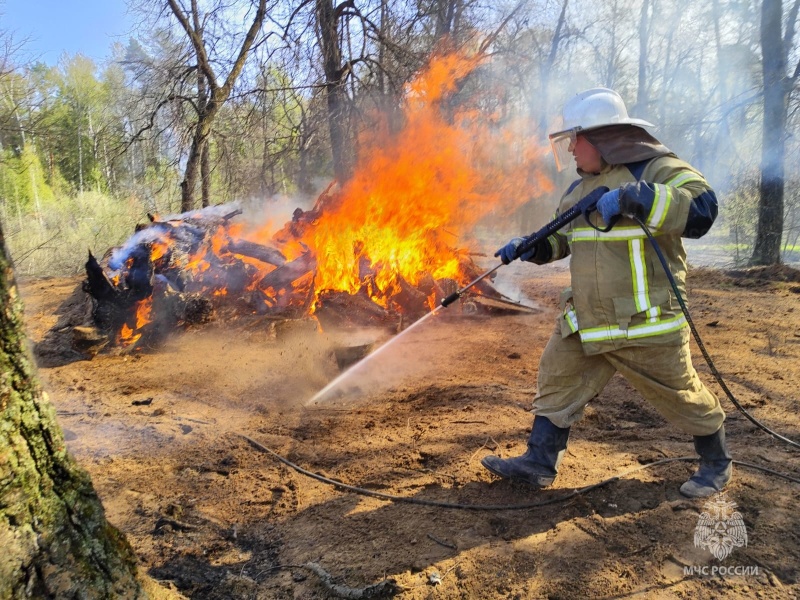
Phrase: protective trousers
x=662 y=374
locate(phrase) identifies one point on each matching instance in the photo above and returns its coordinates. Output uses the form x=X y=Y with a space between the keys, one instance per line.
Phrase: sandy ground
x=163 y=435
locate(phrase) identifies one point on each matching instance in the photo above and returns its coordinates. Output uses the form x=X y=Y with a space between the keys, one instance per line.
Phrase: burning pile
x=381 y=248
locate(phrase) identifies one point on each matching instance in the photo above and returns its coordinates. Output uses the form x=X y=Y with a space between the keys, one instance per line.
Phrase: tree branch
x=258 y=21
x=196 y=40
x=339 y=10
x=493 y=36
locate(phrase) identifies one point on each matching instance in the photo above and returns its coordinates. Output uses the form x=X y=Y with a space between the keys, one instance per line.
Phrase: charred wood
x=435 y=289
x=88 y=340
x=97 y=283
x=340 y=309
x=282 y=277
x=408 y=299
x=257 y=251
x=113 y=303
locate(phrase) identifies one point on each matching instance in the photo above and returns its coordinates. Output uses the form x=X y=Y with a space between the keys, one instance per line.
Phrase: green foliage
x=55 y=240
x=23 y=181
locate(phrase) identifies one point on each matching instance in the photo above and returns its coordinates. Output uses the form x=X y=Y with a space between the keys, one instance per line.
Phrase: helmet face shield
x=562 y=143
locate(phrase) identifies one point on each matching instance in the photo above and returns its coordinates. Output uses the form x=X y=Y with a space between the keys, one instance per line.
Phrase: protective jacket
x=620 y=295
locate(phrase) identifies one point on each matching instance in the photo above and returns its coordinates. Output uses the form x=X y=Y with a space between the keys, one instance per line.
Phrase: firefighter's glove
x=635 y=200
x=630 y=199
x=509 y=252
x=608 y=205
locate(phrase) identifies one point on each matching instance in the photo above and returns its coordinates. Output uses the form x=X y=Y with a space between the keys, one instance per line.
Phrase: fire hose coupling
x=452 y=298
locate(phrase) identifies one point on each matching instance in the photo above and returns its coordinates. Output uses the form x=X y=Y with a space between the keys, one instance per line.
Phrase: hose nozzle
x=451 y=298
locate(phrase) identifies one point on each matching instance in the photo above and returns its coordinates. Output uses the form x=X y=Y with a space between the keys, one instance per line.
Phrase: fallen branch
x=442 y=542
x=175 y=525
x=385 y=589
x=257 y=251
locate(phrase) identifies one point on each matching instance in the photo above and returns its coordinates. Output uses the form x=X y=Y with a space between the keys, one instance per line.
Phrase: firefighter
x=620 y=313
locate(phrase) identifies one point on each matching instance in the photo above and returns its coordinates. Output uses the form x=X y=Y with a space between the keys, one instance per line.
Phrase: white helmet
x=594 y=108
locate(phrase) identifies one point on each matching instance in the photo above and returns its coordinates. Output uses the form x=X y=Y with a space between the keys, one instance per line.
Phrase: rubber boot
x=539 y=465
x=715 y=466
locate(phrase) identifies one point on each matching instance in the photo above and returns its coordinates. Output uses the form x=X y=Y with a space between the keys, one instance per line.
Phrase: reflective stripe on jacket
x=620 y=295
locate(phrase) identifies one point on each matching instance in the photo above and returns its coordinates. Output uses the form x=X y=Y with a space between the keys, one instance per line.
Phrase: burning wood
x=378 y=250
x=195 y=267
x=257 y=251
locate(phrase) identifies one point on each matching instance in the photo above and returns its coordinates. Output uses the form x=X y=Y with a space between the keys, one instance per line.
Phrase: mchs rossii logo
x=720 y=528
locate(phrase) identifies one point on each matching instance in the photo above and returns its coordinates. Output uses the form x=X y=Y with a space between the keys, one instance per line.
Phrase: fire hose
x=584 y=207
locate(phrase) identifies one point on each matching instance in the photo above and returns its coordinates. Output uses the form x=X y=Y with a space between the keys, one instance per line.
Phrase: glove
x=630 y=199
x=636 y=199
x=608 y=205
x=509 y=252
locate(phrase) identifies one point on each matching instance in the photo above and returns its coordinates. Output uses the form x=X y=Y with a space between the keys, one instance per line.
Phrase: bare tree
x=202 y=107
x=328 y=18
x=216 y=94
x=447 y=12
x=642 y=96
x=560 y=33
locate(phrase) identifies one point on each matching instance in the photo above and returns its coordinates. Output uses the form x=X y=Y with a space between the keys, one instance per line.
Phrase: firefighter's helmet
x=594 y=108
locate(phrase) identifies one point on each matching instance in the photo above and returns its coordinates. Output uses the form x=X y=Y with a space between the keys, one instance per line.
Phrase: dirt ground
x=211 y=514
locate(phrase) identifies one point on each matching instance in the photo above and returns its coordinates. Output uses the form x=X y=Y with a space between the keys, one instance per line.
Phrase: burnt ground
x=162 y=434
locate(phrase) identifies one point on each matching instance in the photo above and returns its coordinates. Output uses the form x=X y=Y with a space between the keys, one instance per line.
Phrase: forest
x=248 y=365
x=268 y=102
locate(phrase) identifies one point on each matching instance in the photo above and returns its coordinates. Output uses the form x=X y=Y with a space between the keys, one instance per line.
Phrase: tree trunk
x=55 y=538
x=189 y=182
x=205 y=175
x=215 y=94
x=80 y=160
x=445 y=17
x=540 y=104
x=767 y=247
x=202 y=102
x=335 y=78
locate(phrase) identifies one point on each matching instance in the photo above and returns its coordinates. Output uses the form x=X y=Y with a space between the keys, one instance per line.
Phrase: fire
x=143 y=310
x=128 y=336
x=420 y=190
x=401 y=220
x=158 y=249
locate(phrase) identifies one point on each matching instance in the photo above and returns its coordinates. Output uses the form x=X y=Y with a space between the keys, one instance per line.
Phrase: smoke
x=694 y=69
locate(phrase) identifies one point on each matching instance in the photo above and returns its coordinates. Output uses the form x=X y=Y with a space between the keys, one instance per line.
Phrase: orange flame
x=143 y=310
x=422 y=188
x=128 y=335
x=416 y=194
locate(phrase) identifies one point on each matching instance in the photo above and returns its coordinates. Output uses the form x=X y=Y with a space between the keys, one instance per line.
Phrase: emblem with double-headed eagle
x=720 y=529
